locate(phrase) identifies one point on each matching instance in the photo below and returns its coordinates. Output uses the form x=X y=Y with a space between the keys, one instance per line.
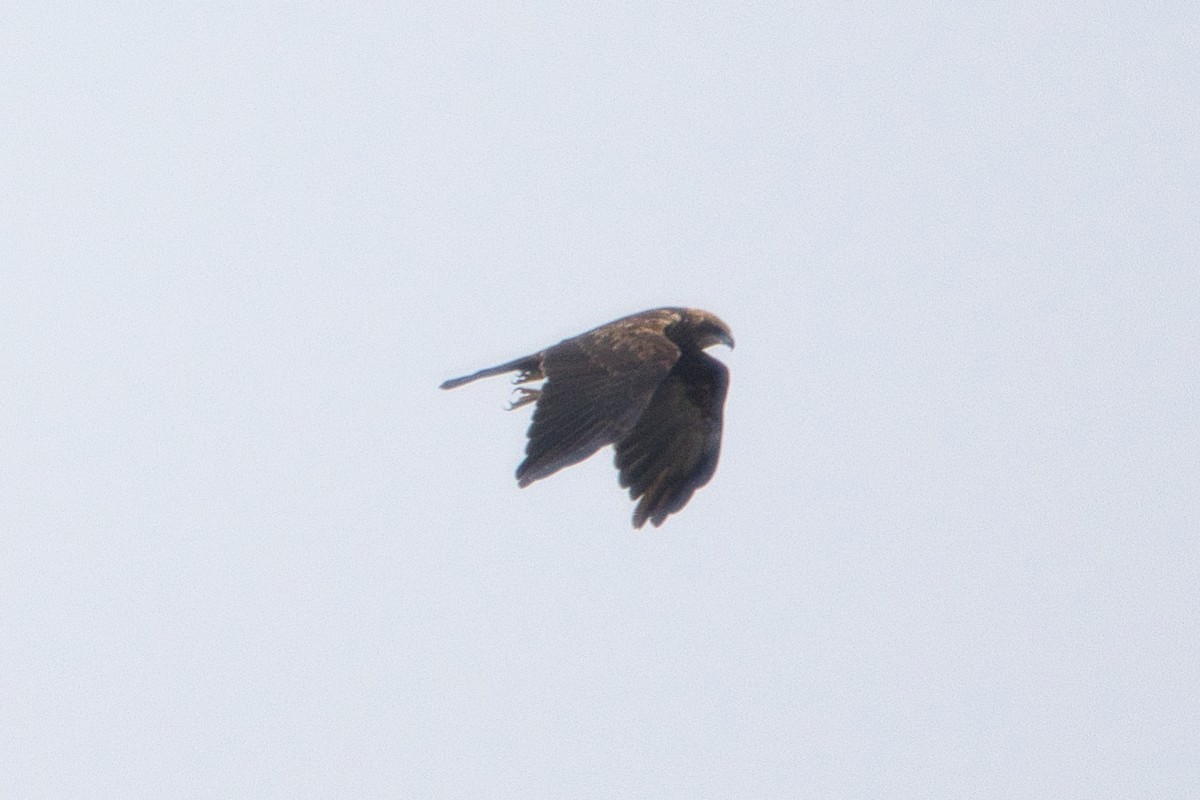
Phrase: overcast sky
x=250 y=550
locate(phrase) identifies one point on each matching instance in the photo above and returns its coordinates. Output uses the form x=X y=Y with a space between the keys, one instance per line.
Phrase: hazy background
x=250 y=550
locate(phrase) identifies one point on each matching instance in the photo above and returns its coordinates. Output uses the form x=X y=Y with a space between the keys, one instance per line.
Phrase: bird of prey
x=643 y=384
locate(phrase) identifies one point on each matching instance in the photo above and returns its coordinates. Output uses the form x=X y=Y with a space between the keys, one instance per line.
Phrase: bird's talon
x=526 y=396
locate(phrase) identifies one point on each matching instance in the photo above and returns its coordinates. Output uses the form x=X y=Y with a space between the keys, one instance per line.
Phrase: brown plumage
x=643 y=384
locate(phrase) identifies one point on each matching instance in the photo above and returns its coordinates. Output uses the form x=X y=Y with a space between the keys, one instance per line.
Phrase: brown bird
x=643 y=384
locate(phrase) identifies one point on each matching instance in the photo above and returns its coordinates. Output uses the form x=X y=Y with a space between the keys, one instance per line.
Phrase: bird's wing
x=673 y=449
x=526 y=365
x=597 y=385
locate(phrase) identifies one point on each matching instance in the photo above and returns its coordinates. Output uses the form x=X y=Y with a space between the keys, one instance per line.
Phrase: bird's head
x=707 y=329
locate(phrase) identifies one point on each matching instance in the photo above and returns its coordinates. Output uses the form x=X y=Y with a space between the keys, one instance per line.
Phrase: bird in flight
x=643 y=384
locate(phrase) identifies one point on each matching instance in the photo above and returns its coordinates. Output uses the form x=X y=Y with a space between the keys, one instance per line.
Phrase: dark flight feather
x=642 y=383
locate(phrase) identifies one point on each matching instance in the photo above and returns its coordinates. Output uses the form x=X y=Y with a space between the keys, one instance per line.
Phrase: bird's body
x=643 y=384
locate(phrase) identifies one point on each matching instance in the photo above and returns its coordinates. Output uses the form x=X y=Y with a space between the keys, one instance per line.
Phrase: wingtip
x=643 y=513
x=640 y=515
x=526 y=475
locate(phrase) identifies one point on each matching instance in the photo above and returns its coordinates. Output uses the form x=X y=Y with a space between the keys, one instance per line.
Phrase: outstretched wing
x=597 y=386
x=672 y=450
x=526 y=365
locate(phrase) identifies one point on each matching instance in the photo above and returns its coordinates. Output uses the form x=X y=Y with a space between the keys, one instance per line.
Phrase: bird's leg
x=527 y=396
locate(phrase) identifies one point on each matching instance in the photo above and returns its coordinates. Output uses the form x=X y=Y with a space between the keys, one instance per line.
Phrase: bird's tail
x=529 y=367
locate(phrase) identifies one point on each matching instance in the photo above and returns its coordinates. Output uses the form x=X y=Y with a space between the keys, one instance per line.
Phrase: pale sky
x=250 y=550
